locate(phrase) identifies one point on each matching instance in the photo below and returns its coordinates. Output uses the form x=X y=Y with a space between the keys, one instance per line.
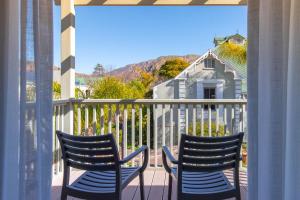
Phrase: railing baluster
x=155 y=134
x=62 y=129
x=133 y=131
x=163 y=125
x=194 y=119
x=225 y=119
x=186 y=119
x=94 y=120
x=140 y=129
x=86 y=118
x=148 y=133
x=171 y=127
x=243 y=117
x=209 y=120
x=202 y=120
x=232 y=120
x=79 y=119
x=57 y=147
x=101 y=119
x=178 y=125
x=117 y=119
x=109 y=118
x=62 y=113
x=53 y=139
x=125 y=131
x=217 y=120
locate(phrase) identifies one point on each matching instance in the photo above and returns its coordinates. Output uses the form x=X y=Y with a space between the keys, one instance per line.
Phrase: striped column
x=68 y=59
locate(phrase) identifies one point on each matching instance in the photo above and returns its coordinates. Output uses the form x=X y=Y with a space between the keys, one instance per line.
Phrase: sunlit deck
x=156 y=182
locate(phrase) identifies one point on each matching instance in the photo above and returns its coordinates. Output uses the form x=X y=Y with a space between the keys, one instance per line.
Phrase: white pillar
x=68 y=59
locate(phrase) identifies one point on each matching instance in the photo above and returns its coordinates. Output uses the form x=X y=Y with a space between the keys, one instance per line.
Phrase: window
x=209 y=93
x=209 y=63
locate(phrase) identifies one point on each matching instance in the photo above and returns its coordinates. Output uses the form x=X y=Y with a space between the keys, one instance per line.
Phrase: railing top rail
x=151 y=101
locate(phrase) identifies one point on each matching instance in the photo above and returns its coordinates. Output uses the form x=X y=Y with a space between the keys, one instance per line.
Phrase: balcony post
x=68 y=60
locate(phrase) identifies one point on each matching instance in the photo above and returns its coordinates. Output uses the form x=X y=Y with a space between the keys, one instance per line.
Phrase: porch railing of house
x=152 y=122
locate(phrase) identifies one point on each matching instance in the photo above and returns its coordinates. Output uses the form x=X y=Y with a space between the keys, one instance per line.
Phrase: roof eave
x=156 y=2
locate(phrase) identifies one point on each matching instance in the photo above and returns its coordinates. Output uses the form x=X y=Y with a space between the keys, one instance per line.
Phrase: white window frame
x=209 y=63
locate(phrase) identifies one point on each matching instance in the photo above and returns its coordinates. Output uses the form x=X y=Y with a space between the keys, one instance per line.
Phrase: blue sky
x=116 y=36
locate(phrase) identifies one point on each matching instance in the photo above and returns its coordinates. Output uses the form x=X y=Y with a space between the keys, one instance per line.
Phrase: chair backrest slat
x=91 y=167
x=209 y=168
x=215 y=152
x=209 y=160
x=89 y=152
x=211 y=145
x=79 y=144
x=90 y=159
x=94 y=153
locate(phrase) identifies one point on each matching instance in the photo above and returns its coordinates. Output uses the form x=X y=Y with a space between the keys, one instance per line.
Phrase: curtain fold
x=36 y=99
x=274 y=99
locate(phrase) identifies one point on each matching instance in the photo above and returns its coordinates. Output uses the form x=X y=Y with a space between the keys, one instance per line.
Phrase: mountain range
x=131 y=71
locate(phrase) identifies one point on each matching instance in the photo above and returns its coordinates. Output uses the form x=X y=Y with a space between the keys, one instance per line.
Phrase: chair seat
x=204 y=182
x=104 y=181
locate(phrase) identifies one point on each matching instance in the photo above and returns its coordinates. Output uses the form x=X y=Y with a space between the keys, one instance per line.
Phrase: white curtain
x=274 y=99
x=26 y=99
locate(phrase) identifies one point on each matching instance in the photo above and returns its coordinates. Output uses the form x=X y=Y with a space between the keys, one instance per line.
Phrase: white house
x=209 y=77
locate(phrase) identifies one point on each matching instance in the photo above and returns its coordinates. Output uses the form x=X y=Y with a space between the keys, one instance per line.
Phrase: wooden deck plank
x=165 y=196
x=130 y=190
x=158 y=184
x=148 y=179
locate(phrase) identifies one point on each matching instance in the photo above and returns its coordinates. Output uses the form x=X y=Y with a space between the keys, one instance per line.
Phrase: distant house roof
x=220 y=40
x=80 y=81
x=84 y=80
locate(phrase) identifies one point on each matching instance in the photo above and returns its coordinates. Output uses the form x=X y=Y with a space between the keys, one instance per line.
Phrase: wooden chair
x=200 y=165
x=104 y=177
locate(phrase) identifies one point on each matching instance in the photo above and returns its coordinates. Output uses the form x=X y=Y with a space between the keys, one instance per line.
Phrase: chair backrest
x=93 y=153
x=209 y=154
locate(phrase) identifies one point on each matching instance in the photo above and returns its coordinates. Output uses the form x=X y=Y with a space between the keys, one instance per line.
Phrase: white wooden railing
x=152 y=122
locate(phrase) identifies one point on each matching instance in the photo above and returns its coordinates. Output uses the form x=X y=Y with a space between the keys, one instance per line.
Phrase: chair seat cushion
x=104 y=181
x=204 y=182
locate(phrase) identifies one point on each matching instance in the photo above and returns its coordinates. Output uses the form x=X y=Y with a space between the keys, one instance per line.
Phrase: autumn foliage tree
x=172 y=68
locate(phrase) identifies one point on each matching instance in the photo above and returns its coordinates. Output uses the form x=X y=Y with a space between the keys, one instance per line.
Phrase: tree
x=113 y=88
x=236 y=52
x=172 y=68
x=147 y=78
x=56 y=90
x=137 y=88
x=99 y=70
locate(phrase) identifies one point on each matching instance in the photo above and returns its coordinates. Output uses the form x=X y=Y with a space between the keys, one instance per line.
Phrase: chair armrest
x=166 y=154
x=142 y=149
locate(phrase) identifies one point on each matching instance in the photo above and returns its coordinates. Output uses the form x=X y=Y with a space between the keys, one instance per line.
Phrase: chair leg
x=238 y=197
x=63 y=195
x=170 y=187
x=142 y=186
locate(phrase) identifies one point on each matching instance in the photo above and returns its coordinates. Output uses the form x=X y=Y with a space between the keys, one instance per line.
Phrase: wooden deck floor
x=156 y=182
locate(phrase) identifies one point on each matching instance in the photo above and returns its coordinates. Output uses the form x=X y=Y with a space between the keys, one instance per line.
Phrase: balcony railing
x=152 y=122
